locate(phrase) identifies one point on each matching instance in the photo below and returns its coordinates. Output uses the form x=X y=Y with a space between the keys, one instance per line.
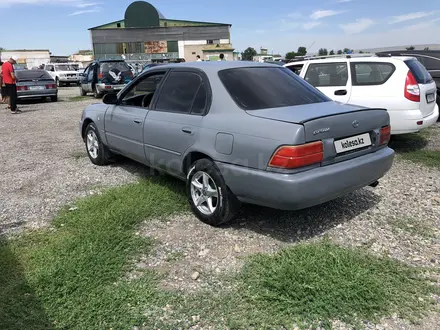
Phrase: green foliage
x=248 y=54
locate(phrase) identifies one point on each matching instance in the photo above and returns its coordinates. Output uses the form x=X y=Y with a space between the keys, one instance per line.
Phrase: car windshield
x=257 y=88
x=64 y=67
x=33 y=75
x=419 y=71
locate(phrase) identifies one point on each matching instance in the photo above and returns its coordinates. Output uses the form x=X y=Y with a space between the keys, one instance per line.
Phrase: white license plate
x=117 y=88
x=352 y=143
x=430 y=98
x=36 y=88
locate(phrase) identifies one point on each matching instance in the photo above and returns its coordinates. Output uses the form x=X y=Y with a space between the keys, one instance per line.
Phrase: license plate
x=36 y=88
x=117 y=88
x=352 y=143
x=430 y=98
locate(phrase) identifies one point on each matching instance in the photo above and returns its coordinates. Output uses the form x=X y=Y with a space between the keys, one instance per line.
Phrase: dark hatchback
x=36 y=84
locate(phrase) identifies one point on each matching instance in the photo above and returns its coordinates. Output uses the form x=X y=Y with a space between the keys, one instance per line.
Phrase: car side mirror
x=81 y=74
x=110 y=98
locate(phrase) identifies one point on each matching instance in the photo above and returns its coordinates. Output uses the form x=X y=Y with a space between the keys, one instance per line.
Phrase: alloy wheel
x=204 y=193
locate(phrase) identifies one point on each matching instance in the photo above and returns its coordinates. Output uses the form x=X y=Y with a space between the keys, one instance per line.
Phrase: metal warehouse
x=146 y=35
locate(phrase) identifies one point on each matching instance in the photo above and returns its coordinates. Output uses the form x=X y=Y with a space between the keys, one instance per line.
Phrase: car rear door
x=173 y=124
x=428 y=88
x=331 y=78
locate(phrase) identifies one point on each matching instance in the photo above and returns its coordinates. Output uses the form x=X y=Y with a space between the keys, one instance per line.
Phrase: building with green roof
x=146 y=35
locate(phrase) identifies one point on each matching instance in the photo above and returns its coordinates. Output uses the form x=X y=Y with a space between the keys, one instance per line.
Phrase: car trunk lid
x=346 y=131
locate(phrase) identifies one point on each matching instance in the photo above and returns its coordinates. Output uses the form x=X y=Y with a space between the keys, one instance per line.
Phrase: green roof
x=169 y=23
x=218 y=50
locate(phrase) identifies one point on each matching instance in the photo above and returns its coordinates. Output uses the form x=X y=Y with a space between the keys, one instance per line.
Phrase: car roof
x=351 y=59
x=214 y=67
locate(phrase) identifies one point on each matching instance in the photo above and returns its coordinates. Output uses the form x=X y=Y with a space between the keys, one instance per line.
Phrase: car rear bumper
x=103 y=88
x=308 y=188
x=405 y=121
x=68 y=80
x=36 y=94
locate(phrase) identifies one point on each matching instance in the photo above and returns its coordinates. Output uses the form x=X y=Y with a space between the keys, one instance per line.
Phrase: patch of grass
x=413 y=226
x=78 y=98
x=72 y=277
x=428 y=158
x=174 y=256
x=78 y=154
x=311 y=284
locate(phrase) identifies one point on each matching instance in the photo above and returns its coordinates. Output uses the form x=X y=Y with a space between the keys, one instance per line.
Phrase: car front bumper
x=308 y=188
x=103 y=88
x=403 y=122
x=68 y=80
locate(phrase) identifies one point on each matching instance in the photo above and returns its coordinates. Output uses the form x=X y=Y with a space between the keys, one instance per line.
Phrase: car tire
x=210 y=198
x=98 y=153
x=96 y=93
x=82 y=92
x=54 y=98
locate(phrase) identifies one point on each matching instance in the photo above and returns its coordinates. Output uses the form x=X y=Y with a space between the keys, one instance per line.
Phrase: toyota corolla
x=240 y=132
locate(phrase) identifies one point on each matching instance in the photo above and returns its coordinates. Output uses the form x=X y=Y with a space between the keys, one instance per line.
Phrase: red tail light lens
x=51 y=86
x=100 y=75
x=289 y=157
x=385 y=135
x=22 y=88
x=412 y=90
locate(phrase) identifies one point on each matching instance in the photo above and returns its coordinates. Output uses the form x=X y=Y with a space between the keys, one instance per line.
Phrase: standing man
x=222 y=57
x=199 y=59
x=9 y=80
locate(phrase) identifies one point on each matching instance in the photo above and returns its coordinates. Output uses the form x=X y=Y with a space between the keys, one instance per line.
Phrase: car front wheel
x=96 y=150
x=210 y=199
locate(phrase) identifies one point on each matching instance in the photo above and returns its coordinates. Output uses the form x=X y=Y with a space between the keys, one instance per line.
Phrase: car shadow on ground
x=286 y=226
x=292 y=226
x=19 y=304
x=408 y=142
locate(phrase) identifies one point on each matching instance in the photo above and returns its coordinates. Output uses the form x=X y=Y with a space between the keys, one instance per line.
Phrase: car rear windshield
x=258 y=88
x=419 y=71
x=114 y=66
x=33 y=75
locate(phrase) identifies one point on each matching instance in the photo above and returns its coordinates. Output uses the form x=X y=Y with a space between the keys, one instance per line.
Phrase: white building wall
x=30 y=58
x=194 y=42
x=181 y=45
x=224 y=41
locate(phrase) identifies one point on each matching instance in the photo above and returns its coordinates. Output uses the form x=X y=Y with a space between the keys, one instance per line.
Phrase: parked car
x=36 y=84
x=150 y=65
x=105 y=76
x=63 y=74
x=240 y=132
x=430 y=60
x=399 y=84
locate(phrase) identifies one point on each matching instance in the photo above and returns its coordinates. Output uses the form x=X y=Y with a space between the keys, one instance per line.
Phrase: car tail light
x=108 y=87
x=385 y=135
x=22 y=88
x=100 y=75
x=412 y=90
x=51 y=86
x=298 y=156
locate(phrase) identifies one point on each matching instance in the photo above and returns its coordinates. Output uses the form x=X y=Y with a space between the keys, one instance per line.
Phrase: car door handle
x=137 y=121
x=341 y=92
x=187 y=130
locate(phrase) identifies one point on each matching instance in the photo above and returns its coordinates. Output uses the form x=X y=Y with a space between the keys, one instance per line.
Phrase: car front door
x=91 y=77
x=174 y=122
x=331 y=78
x=124 y=122
x=83 y=79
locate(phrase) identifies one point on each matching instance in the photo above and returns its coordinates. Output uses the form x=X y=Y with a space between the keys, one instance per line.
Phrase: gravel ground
x=44 y=166
x=43 y=162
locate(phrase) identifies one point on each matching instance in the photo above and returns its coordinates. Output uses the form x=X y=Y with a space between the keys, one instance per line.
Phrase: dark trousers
x=12 y=93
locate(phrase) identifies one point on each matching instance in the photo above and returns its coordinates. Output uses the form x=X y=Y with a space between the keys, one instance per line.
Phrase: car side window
x=90 y=73
x=179 y=92
x=86 y=71
x=296 y=68
x=141 y=93
x=327 y=74
x=199 y=104
x=371 y=73
x=49 y=68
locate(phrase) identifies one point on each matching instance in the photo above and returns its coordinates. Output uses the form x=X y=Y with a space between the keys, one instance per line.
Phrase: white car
x=63 y=74
x=399 y=84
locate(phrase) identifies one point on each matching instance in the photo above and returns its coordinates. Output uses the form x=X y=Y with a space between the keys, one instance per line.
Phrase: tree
x=339 y=52
x=410 y=48
x=332 y=52
x=426 y=48
x=322 y=52
x=248 y=54
x=346 y=50
x=302 y=51
x=361 y=52
x=290 y=55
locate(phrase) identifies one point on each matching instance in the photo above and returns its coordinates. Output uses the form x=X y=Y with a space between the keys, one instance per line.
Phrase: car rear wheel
x=210 y=199
x=96 y=150
x=96 y=93
x=82 y=91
